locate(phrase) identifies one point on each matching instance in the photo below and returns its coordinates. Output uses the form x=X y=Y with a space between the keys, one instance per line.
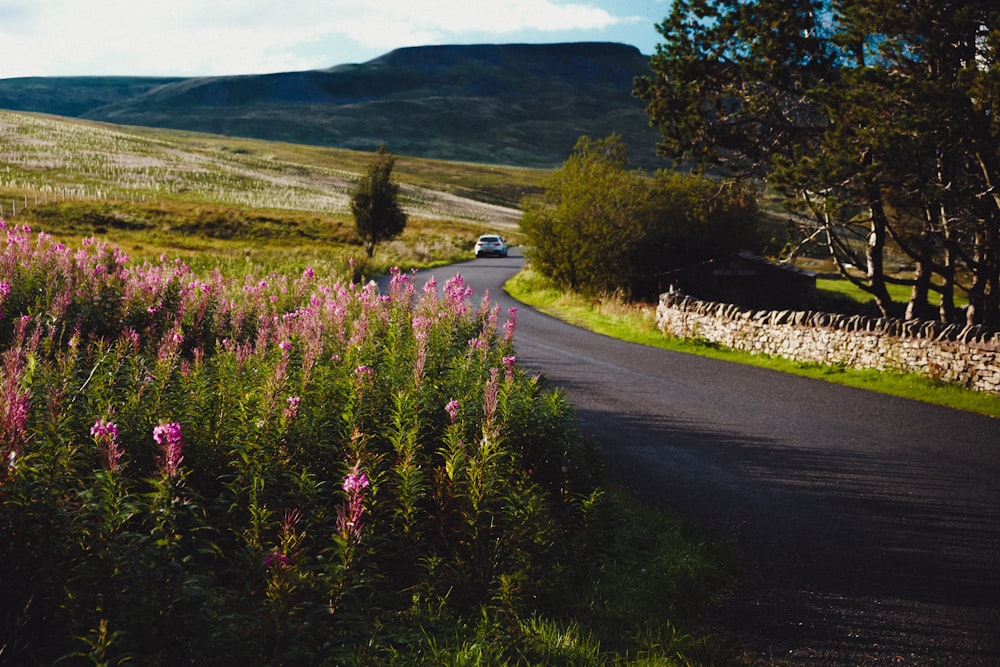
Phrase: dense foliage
x=878 y=119
x=375 y=206
x=602 y=227
x=271 y=471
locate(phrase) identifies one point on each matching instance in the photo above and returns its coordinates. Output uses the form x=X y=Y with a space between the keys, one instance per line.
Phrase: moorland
x=514 y=104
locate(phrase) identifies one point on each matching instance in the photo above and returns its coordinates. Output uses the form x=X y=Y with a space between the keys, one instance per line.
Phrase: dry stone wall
x=969 y=356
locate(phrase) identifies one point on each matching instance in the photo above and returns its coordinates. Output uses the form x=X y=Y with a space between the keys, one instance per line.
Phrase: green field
x=155 y=191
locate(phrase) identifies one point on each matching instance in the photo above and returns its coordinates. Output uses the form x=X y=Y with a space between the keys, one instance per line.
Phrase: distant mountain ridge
x=521 y=104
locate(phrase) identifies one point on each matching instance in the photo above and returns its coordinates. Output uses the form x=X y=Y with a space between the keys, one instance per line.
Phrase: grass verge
x=614 y=317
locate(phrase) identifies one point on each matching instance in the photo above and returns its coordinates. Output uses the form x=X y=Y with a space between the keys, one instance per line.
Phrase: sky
x=218 y=37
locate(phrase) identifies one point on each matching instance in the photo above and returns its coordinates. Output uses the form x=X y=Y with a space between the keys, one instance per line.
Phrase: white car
x=491 y=244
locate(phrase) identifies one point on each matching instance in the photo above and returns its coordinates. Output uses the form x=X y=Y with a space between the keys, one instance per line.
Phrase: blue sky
x=210 y=37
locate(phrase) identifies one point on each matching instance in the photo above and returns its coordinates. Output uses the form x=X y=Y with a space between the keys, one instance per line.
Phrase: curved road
x=868 y=526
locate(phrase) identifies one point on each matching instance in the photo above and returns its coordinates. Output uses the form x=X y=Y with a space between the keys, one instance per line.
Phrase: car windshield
x=489 y=239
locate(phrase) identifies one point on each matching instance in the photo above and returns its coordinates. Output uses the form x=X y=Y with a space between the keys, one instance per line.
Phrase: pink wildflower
x=105 y=433
x=510 y=325
x=349 y=514
x=289 y=520
x=456 y=293
x=168 y=436
x=14 y=402
x=452 y=409
x=491 y=395
x=276 y=559
x=355 y=481
x=508 y=363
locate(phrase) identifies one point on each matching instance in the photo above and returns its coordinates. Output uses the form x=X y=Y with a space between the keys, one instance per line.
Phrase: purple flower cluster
x=349 y=515
x=491 y=396
x=105 y=433
x=4 y=293
x=508 y=363
x=452 y=409
x=168 y=436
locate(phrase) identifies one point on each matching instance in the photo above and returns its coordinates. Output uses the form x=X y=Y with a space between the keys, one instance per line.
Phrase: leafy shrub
x=601 y=228
x=275 y=470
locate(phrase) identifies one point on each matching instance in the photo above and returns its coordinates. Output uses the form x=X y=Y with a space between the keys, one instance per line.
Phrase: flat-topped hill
x=518 y=104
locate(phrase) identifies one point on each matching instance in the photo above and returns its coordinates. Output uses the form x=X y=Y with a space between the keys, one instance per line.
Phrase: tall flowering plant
x=349 y=529
x=168 y=436
x=105 y=434
x=350 y=514
x=154 y=421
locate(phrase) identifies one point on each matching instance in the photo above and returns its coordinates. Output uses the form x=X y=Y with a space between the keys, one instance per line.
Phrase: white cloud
x=187 y=37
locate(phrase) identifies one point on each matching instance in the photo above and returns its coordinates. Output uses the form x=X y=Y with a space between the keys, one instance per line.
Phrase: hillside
x=512 y=104
x=73 y=95
x=46 y=159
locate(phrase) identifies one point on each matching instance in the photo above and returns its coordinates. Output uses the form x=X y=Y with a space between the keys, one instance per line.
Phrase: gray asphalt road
x=868 y=526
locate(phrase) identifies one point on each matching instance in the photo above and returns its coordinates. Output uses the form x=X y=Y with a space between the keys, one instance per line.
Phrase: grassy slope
x=152 y=191
x=513 y=104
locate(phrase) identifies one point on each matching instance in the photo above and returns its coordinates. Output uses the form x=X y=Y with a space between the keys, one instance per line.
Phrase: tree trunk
x=918 y=307
x=875 y=258
x=946 y=311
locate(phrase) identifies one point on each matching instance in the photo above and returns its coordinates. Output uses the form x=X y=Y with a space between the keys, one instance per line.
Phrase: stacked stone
x=964 y=355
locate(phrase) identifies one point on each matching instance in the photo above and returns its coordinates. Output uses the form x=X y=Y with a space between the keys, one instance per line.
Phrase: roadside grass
x=614 y=317
x=632 y=598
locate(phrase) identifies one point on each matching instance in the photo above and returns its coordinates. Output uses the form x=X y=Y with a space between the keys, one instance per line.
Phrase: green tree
x=378 y=215
x=601 y=227
x=878 y=119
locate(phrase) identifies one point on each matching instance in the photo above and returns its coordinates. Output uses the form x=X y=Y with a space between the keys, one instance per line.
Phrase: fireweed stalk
x=281 y=563
x=168 y=436
x=349 y=526
x=349 y=515
x=14 y=400
x=105 y=434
